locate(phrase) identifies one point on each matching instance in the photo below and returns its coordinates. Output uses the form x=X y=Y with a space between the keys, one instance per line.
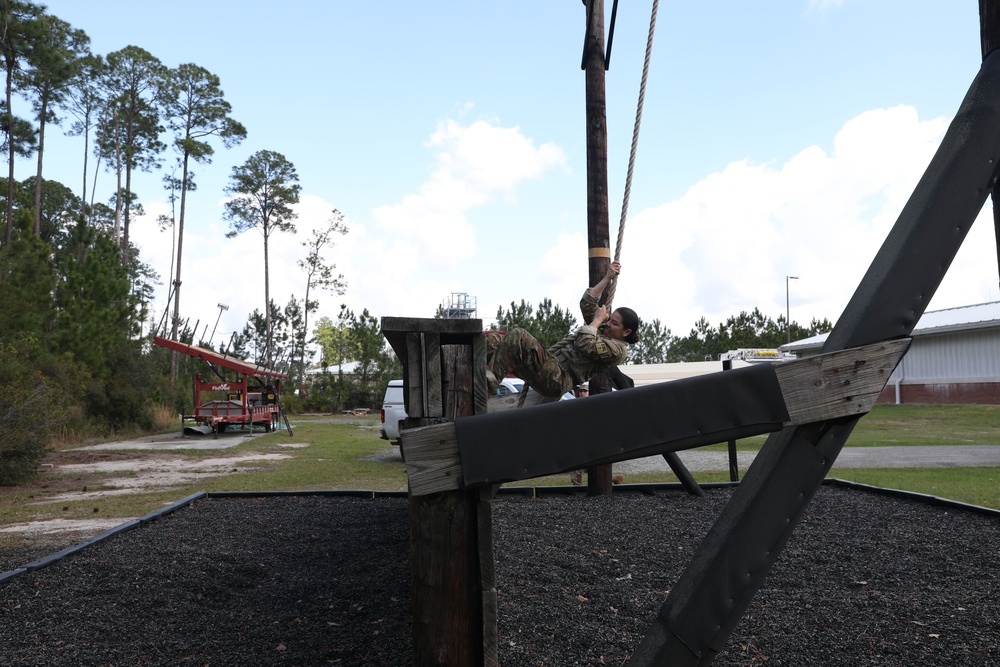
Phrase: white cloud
x=725 y=246
x=474 y=164
x=401 y=262
x=823 y=5
x=428 y=233
x=729 y=242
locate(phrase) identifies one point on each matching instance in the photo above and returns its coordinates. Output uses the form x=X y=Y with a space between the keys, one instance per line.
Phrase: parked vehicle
x=393 y=411
x=510 y=386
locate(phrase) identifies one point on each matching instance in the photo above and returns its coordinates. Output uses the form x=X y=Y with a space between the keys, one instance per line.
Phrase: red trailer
x=251 y=398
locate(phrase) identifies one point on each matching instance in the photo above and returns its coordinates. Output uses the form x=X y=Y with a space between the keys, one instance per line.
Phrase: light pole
x=222 y=307
x=788 y=319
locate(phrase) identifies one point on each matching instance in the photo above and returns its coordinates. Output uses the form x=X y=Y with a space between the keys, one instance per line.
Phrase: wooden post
x=451 y=549
x=599 y=255
x=734 y=464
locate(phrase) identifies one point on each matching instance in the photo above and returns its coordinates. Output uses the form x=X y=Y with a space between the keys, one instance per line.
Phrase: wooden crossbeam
x=827 y=386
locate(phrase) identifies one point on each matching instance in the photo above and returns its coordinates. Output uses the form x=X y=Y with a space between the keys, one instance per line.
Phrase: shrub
x=31 y=414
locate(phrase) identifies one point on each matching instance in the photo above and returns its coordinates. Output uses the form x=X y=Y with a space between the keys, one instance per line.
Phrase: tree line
x=76 y=358
x=548 y=323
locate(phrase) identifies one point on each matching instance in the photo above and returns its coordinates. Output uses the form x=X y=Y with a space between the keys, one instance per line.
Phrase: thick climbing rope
x=610 y=291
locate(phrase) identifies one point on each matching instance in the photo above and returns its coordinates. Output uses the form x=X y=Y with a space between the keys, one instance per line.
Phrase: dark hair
x=630 y=321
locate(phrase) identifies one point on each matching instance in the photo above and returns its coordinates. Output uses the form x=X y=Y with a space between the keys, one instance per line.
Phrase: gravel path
x=865 y=580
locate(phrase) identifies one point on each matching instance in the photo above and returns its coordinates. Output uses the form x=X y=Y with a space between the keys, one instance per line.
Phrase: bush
x=292 y=404
x=31 y=414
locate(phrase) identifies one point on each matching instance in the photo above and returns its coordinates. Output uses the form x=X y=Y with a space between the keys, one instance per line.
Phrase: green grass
x=908 y=425
x=339 y=456
x=976 y=486
x=914 y=425
x=346 y=454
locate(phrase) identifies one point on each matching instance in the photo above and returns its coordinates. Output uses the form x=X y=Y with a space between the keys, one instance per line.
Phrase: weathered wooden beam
x=828 y=386
x=453 y=583
x=838 y=384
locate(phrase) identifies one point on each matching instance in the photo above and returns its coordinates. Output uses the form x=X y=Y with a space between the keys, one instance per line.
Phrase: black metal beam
x=505 y=446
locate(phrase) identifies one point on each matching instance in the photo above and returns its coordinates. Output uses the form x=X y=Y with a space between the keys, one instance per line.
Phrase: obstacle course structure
x=450 y=460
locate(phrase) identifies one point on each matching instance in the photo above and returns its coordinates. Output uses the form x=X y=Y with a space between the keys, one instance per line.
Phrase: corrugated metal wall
x=969 y=356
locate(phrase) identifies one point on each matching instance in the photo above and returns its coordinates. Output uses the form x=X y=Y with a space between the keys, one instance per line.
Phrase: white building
x=954 y=358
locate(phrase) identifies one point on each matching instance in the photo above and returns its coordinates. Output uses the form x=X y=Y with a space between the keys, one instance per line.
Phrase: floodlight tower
x=222 y=307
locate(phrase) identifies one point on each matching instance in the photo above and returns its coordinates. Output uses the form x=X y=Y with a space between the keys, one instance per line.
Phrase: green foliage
x=27 y=280
x=58 y=210
x=120 y=398
x=94 y=302
x=21 y=139
x=327 y=392
x=654 y=344
x=32 y=410
x=56 y=54
x=31 y=415
x=73 y=290
x=129 y=128
x=376 y=363
x=18 y=30
x=319 y=275
x=196 y=111
x=353 y=338
x=84 y=100
x=746 y=330
x=133 y=80
x=334 y=340
x=263 y=190
x=548 y=324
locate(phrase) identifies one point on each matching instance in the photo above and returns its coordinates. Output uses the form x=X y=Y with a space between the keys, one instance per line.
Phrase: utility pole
x=788 y=310
x=598 y=242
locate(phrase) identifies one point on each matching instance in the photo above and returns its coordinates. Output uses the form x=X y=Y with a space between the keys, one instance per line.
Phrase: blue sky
x=778 y=139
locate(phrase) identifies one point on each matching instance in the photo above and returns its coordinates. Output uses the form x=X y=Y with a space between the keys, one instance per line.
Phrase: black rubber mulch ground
x=865 y=580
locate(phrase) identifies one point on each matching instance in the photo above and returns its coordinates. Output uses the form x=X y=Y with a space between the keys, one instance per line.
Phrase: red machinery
x=232 y=401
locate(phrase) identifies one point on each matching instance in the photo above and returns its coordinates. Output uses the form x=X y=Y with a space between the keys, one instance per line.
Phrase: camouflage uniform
x=572 y=361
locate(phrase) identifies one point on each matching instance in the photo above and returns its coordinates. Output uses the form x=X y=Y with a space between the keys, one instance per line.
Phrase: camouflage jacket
x=586 y=352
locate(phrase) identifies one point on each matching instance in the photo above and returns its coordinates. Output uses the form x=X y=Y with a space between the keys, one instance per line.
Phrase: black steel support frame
x=732 y=562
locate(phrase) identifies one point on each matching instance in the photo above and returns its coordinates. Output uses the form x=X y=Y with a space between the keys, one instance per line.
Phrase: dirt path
x=142 y=465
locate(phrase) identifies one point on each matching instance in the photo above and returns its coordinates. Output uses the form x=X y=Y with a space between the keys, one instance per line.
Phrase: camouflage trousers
x=518 y=353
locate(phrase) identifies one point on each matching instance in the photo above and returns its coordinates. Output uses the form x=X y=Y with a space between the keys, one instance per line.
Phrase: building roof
x=348 y=368
x=644 y=374
x=948 y=320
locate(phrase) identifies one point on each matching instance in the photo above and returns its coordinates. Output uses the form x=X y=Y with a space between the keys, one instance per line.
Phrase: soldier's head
x=623 y=325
